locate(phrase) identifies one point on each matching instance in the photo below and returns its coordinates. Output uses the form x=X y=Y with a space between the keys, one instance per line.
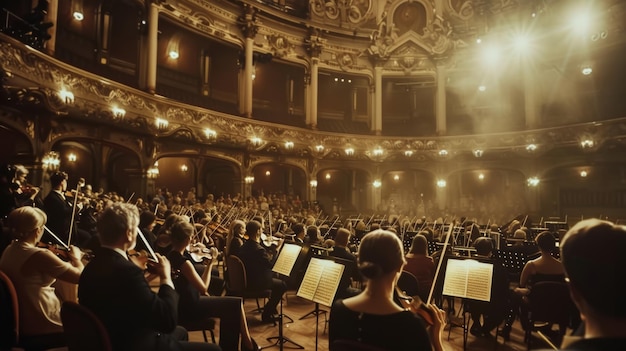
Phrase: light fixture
x=377 y=183
x=72 y=157
x=313 y=183
x=50 y=161
x=396 y=177
x=210 y=134
x=533 y=181
x=441 y=183
x=153 y=172
x=479 y=40
x=78 y=16
x=184 y=168
x=377 y=152
x=586 y=70
x=481 y=176
x=77 y=10
x=268 y=173
x=478 y=153
x=249 y=179
x=256 y=141
x=349 y=151
x=173 y=54
x=443 y=152
x=587 y=144
x=118 y=112
x=482 y=88
x=408 y=153
x=531 y=147
x=66 y=96
x=583 y=173
x=327 y=176
x=289 y=145
x=161 y=123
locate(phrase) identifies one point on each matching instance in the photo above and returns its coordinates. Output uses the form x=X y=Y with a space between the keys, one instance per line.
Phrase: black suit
x=136 y=318
x=59 y=213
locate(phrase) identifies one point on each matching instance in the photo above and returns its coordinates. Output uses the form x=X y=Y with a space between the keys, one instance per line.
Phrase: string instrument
x=141 y=258
x=61 y=250
x=415 y=305
x=198 y=252
x=81 y=183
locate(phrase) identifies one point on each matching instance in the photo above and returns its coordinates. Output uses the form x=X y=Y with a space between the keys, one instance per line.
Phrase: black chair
x=408 y=283
x=83 y=330
x=549 y=303
x=10 y=321
x=238 y=282
x=203 y=326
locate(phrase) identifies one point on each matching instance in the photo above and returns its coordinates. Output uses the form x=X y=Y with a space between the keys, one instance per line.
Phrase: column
x=377 y=118
x=52 y=16
x=307 y=98
x=353 y=193
x=153 y=29
x=530 y=97
x=314 y=92
x=440 y=100
x=247 y=77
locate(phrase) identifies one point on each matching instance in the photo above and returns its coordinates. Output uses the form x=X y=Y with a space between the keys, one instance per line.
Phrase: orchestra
x=226 y=225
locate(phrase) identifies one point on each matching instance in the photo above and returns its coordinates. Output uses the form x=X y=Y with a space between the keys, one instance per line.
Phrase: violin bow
x=331 y=227
x=441 y=259
x=56 y=238
x=130 y=197
x=81 y=183
x=145 y=242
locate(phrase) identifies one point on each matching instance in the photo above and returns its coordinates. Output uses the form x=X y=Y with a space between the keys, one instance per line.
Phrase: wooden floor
x=303 y=331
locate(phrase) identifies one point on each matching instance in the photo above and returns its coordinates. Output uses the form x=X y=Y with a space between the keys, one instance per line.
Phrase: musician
x=258 y=263
x=33 y=270
x=59 y=212
x=235 y=238
x=592 y=253
x=116 y=291
x=195 y=305
x=373 y=317
x=25 y=194
x=147 y=222
x=313 y=236
x=420 y=265
x=341 y=251
x=298 y=231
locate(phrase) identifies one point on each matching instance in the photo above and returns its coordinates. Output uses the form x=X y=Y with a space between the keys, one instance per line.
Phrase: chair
x=203 y=326
x=237 y=282
x=408 y=283
x=352 y=345
x=548 y=303
x=83 y=330
x=10 y=320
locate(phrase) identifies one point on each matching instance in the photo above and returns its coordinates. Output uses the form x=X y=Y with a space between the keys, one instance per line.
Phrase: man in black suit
x=258 y=263
x=59 y=212
x=348 y=259
x=115 y=289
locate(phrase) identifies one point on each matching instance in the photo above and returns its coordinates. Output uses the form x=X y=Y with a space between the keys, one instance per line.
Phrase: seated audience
x=33 y=270
x=116 y=290
x=372 y=317
x=194 y=304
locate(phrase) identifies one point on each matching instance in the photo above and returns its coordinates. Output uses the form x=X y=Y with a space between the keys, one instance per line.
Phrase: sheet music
x=286 y=259
x=320 y=281
x=469 y=279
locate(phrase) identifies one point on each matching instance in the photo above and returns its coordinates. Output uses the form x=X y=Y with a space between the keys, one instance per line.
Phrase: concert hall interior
x=398 y=110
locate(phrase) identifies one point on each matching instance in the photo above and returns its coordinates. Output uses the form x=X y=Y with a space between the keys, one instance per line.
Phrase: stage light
x=586 y=70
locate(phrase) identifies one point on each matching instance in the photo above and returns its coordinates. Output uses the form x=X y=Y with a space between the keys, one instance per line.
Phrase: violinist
x=147 y=222
x=59 y=211
x=235 y=238
x=372 y=316
x=195 y=304
x=116 y=290
x=33 y=270
x=25 y=194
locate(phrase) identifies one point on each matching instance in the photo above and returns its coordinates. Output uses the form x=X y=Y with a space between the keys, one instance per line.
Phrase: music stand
x=288 y=257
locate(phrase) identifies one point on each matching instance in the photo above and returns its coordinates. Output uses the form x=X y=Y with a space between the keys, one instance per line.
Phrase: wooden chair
x=10 y=320
x=83 y=329
x=352 y=345
x=238 y=282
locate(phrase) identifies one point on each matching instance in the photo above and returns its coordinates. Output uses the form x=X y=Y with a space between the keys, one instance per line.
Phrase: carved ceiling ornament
x=343 y=11
x=280 y=45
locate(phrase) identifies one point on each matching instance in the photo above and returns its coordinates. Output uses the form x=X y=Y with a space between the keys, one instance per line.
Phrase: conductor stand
x=281 y=340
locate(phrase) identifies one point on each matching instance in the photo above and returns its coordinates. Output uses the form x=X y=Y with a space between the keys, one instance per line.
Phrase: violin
x=199 y=253
x=140 y=258
x=62 y=252
x=415 y=305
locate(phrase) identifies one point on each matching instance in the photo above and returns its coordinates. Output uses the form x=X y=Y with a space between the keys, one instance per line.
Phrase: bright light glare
x=587 y=70
x=580 y=21
x=173 y=54
x=482 y=88
x=522 y=42
x=491 y=55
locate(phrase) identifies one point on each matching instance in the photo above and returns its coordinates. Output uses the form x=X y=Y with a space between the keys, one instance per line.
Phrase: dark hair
x=419 y=245
x=546 y=241
x=483 y=245
x=380 y=253
x=181 y=231
x=592 y=253
x=146 y=218
x=252 y=228
x=311 y=232
x=297 y=228
x=342 y=237
x=57 y=178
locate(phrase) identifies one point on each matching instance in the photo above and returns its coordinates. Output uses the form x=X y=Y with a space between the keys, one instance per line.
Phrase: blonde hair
x=24 y=220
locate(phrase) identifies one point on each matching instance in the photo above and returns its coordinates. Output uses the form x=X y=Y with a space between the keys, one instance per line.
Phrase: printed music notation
x=320 y=281
x=286 y=259
x=468 y=279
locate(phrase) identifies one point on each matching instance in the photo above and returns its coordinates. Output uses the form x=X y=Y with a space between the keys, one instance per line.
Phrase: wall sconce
x=256 y=141
x=249 y=179
x=51 y=161
x=443 y=153
x=184 y=168
x=349 y=151
x=313 y=183
x=441 y=183
x=327 y=176
x=478 y=153
x=173 y=54
x=533 y=181
x=377 y=152
x=66 y=96
x=77 y=10
x=583 y=174
x=153 y=172
x=72 y=157
x=531 y=147
x=161 y=123
x=118 y=112
x=481 y=176
x=210 y=134
x=377 y=184
x=408 y=153
x=289 y=145
x=268 y=173
x=319 y=148
x=587 y=144
x=396 y=177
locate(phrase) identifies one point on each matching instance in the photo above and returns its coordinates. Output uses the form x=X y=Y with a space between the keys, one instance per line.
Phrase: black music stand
x=281 y=340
